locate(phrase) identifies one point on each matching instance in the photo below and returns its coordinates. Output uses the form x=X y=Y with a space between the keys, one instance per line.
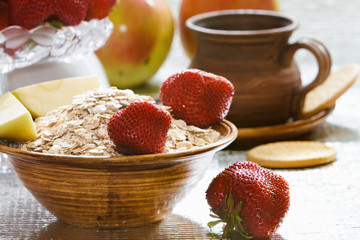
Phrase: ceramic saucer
x=291 y=129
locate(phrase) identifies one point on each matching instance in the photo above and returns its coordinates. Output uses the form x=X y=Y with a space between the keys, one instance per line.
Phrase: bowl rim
x=126 y=160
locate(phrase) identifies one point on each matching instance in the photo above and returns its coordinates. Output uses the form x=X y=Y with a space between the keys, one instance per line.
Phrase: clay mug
x=251 y=48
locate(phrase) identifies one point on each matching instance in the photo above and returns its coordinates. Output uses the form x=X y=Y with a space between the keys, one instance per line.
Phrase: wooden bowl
x=114 y=192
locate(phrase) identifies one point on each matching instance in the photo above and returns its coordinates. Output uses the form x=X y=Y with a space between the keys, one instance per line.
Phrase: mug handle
x=323 y=58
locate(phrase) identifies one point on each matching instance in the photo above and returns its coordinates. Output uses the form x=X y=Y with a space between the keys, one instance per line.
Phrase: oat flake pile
x=81 y=127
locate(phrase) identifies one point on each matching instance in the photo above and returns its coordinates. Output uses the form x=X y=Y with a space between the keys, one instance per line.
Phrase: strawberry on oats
x=197 y=97
x=140 y=128
x=80 y=128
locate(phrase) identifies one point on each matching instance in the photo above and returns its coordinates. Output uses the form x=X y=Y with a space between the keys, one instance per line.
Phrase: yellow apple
x=16 y=123
x=43 y=97
x=139 y=44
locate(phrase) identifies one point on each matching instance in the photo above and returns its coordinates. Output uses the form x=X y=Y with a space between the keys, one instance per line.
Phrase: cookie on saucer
x=291 y=154
x=325 y=95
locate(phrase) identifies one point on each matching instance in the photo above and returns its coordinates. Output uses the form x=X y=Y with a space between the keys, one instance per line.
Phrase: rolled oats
x=81 y=127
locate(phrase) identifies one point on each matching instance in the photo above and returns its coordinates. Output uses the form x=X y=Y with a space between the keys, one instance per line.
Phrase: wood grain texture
x=114 y=192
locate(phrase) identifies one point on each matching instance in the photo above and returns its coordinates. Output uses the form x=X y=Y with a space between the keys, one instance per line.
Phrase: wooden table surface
x=324 y=200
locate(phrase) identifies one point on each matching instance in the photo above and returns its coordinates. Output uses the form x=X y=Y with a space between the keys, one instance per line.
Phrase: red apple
x=189 y=8
x=141 y=39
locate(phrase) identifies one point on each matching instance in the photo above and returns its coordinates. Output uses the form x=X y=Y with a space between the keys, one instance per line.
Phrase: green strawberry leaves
x=230 y=215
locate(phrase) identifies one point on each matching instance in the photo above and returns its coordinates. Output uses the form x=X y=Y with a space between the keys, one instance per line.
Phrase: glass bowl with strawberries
x=49 y=31
x=111 y=158
x=32 y=31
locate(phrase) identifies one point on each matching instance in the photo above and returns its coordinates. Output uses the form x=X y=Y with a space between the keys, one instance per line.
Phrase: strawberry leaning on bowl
x=140 y=128
x=31 y=13
x=251 y=200
x=199 y=98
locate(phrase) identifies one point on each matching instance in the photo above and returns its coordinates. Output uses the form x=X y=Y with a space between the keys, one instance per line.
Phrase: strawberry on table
x=140 y=128
x=99 y=9
x=251 y=200
x=197 y=97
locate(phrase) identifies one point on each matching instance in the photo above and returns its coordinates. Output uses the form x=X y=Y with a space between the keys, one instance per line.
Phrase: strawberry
x=140 y=128
x=4 y=14
x=197 y=97
x=251 y=200
x=31 y=13
x=71 y=12
x=99 y=9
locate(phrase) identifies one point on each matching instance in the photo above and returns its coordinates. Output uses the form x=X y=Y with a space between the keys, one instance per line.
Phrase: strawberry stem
x=55 y=23
x=213 y=223
x=230 y=215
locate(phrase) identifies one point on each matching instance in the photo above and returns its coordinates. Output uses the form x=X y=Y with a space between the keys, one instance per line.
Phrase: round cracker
x=325 y=95
x=291 y=154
